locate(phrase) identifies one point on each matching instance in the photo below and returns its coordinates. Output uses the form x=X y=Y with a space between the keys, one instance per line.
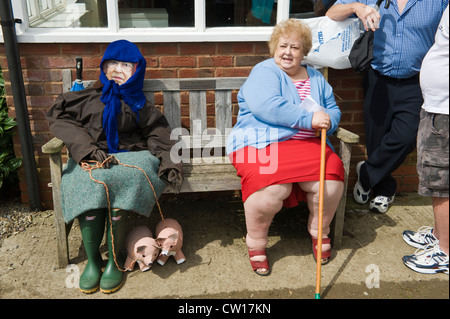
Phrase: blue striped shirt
x=402 y=40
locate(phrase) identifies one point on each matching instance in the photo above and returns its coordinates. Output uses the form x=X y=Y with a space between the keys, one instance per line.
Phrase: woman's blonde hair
x=288 y=27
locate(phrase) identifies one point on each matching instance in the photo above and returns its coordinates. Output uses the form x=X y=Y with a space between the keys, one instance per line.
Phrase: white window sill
x=104 y=35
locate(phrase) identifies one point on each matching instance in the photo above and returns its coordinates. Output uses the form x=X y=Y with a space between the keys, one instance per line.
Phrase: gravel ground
x=217 y=266
x=15 y=217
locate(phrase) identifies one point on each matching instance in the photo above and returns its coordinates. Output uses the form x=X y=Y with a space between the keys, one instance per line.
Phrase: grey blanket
x=128 y=187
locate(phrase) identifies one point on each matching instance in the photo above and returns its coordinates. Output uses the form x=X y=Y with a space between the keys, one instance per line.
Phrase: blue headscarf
x=130 y=92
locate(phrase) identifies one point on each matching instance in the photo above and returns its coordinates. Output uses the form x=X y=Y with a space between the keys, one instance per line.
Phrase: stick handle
x=79 y=67
x=323 y=144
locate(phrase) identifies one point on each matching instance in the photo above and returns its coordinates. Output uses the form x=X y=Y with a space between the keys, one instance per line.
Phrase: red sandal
x=326 y=255
x=259 y=264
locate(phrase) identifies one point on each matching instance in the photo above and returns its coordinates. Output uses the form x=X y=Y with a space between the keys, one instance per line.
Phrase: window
x=153 y=20
x=156 y=13
x=240 y=13
x=66 y=13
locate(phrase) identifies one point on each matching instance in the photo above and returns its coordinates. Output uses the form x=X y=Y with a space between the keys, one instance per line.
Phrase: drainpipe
x=20 y=103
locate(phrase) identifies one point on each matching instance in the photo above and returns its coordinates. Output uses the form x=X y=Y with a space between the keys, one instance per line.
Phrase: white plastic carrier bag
x=332 y=42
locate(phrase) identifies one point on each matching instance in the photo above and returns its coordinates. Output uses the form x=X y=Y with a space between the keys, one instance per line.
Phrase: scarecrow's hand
x=174 y=178
x=103 y=158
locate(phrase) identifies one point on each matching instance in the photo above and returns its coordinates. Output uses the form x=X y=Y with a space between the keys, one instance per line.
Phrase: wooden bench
x=202 y=173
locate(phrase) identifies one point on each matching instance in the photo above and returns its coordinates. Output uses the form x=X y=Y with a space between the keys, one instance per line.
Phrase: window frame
x=198 y=33
x=34 y=6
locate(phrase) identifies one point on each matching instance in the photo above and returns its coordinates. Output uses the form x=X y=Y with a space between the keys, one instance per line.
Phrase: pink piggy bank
x=141 y=248
x=170 y=239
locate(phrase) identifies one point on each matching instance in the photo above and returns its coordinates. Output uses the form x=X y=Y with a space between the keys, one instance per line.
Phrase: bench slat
x=208 y=141
x=202 y=84
x=172 y=108
x=223 y=110
x=150 y=96
x=187 y=84
x=205 y=177
x=218 y=182
x=197 y=111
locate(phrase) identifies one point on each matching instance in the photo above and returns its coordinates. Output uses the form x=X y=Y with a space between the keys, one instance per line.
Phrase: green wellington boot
x=112 y=276
x=92 y=226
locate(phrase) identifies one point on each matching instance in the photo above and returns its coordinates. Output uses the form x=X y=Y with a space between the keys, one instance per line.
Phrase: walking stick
x=323 y=144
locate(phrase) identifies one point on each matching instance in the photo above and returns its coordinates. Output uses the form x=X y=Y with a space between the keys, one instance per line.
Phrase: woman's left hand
x=321 y=120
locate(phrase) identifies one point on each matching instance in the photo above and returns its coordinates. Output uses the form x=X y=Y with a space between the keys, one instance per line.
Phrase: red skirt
x=285 y=162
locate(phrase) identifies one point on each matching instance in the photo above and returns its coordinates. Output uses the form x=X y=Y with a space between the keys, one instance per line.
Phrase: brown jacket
x=76 y=118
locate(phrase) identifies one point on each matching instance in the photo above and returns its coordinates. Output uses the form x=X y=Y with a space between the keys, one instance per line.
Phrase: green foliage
x=8 y=162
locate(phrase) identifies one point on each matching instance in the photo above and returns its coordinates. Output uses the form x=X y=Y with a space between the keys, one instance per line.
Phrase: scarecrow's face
x=119 y=71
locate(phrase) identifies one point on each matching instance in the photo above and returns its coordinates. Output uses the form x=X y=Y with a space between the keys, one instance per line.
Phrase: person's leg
x=391 y=115
x=332 y=196
x=396 y=144
x=260 y=208
x=440 y=208
x=432 y=168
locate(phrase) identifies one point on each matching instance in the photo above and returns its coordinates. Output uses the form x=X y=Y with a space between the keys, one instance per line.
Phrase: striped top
x=304 y=90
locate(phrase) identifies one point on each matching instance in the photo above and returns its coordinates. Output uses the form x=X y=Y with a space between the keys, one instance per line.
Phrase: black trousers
x=391 y=120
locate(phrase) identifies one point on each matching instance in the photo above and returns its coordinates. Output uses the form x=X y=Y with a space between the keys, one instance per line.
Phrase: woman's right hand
x=321 y=120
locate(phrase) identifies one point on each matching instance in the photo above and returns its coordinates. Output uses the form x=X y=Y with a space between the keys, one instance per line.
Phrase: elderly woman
x=274 y=146
x=111 y=121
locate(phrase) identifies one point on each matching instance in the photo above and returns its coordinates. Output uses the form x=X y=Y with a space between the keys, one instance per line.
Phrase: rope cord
x=89 y=168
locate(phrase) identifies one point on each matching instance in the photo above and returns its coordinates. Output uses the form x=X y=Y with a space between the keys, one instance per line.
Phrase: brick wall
x=42 y=65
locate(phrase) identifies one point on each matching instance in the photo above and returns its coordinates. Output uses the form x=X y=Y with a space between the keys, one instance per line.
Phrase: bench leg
x=61 y=230
x=61 y=240
x=345 y=152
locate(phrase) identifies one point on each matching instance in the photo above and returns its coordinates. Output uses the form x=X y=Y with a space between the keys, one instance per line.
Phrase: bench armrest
x=55 y=145
x=346 y=136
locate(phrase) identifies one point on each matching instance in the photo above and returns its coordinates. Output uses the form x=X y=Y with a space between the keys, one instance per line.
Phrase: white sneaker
x=431 y=260
x=420 y=239
x=380 y=204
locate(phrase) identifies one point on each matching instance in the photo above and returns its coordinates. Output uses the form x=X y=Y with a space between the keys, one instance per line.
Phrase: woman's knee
x=278 y=192
x=334 y=189
x=269 y=198
x=331 y=187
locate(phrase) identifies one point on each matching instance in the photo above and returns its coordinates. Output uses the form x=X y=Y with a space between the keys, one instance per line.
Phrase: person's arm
x=64 y=123
x=339 y=12
x=264 y=97
x=156 y=130
x=322 y=92
x=368 y=15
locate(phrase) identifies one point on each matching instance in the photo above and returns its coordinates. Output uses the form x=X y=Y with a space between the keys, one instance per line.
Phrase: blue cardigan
x=269 y=107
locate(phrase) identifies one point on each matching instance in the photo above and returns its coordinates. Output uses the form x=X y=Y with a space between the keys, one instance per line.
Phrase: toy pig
x=170 y=239
x=141 y=247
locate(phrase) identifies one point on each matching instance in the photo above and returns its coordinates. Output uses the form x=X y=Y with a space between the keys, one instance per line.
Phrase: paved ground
x=368 y=266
